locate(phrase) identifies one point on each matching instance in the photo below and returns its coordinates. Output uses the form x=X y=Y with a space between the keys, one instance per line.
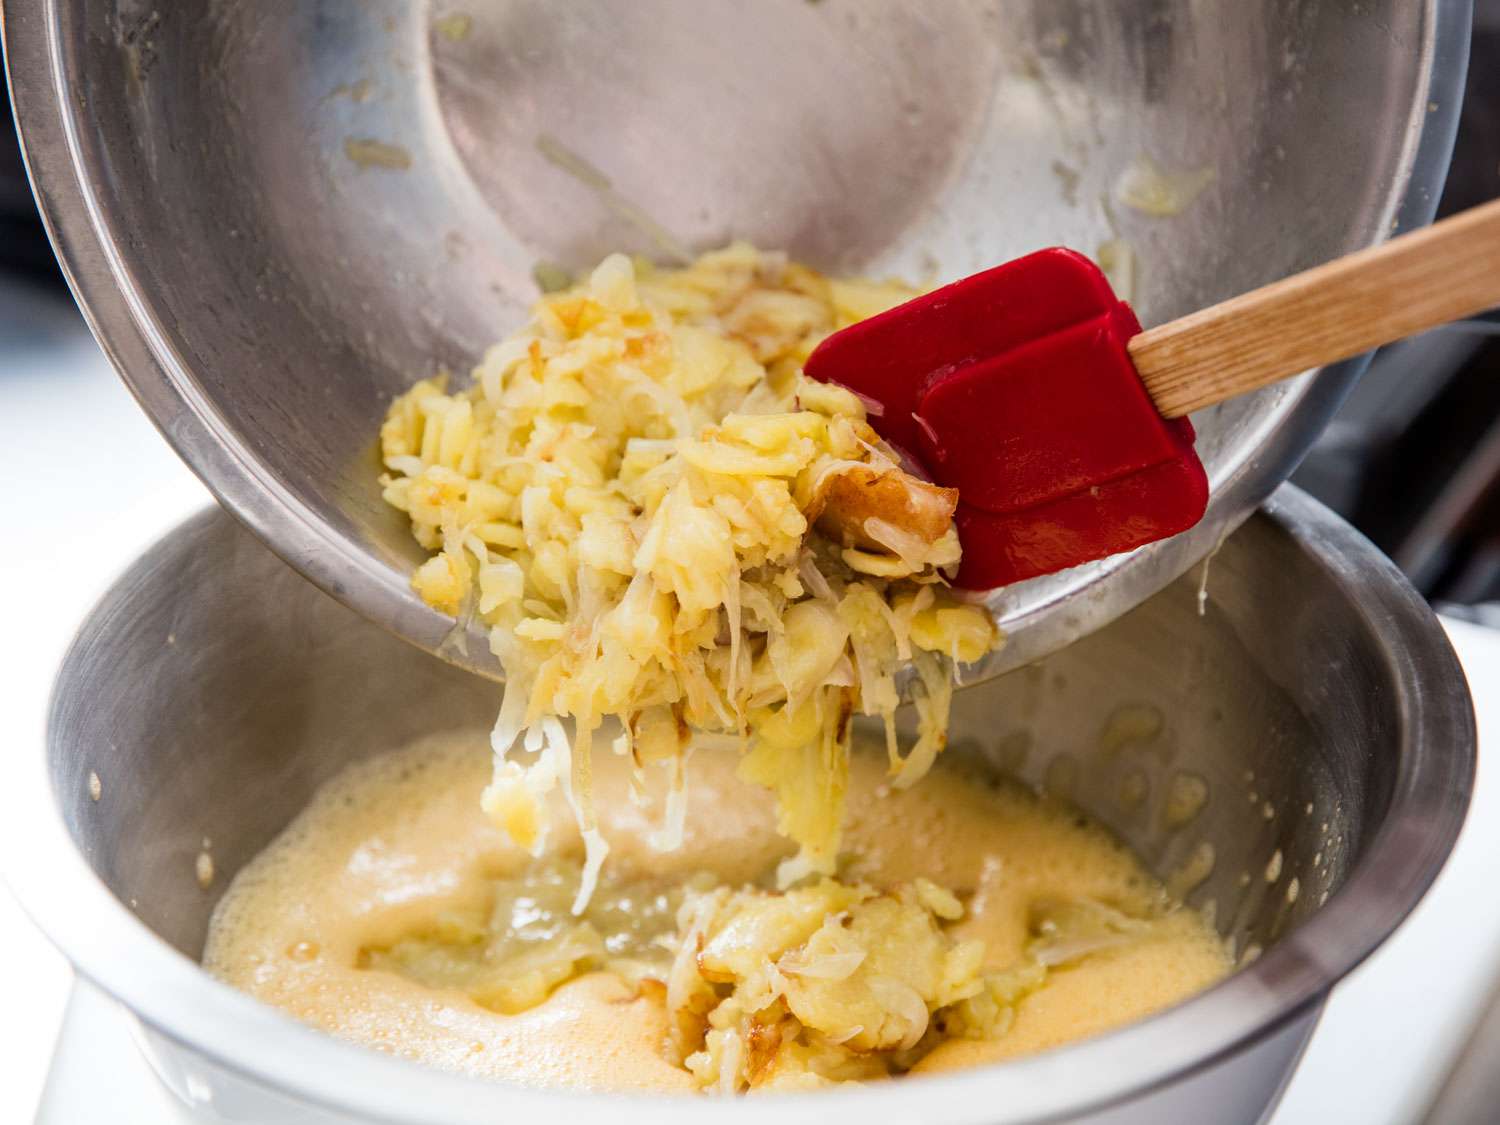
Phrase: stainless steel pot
x=277 y=216
x=213 y=689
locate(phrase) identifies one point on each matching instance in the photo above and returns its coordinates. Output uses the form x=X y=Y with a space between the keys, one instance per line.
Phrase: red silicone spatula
x=1032 y=389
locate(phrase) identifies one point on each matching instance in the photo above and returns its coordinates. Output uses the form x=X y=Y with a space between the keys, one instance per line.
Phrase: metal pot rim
x=171 y=993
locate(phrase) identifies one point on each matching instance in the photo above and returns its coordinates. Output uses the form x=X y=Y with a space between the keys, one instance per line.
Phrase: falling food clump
x=665 y=525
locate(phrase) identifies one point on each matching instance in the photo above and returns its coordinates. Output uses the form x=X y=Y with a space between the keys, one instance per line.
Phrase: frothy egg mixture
x=968 y=922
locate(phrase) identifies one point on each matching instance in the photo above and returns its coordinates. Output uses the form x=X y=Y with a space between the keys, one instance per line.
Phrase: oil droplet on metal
x=1187 y=793
x=1273 y=869
x=1198 y=867
x=1128 y=724
x=205 y=870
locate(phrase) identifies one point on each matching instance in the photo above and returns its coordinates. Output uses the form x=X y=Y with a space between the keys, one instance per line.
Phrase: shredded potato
x=829 y=982
x=663 y=523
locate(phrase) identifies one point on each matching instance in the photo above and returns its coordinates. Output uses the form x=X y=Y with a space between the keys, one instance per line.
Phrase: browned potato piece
x=847 y=500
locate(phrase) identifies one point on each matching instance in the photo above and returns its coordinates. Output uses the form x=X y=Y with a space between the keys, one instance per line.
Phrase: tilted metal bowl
x=278 y=216
x=212 y=690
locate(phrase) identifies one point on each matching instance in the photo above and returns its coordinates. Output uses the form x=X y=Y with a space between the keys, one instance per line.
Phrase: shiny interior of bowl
x=211 y=690
x=222 y=689
x=279 y=218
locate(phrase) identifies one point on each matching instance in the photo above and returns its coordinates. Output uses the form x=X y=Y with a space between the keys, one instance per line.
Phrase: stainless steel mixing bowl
x=213 y=689
x=278 y=215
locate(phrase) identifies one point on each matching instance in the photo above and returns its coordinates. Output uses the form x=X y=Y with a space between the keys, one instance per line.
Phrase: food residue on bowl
x=367 y=152
x=1147 y=187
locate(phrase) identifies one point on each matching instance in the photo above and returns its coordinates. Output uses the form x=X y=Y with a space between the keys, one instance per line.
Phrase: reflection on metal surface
x=1344 y=709
x=264 y=298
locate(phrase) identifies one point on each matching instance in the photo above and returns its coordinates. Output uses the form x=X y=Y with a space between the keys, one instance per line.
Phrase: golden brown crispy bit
x=849 y=498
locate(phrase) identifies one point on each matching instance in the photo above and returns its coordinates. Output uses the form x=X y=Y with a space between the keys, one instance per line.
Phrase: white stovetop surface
x=92 y=483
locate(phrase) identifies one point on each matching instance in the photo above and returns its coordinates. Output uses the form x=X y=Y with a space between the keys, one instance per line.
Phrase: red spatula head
x=1015 y=387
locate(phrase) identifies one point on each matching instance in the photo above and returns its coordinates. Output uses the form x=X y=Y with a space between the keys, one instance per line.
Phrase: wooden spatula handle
x=1432 y=276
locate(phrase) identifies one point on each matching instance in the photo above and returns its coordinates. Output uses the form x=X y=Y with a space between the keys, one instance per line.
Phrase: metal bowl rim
x=172 y=994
